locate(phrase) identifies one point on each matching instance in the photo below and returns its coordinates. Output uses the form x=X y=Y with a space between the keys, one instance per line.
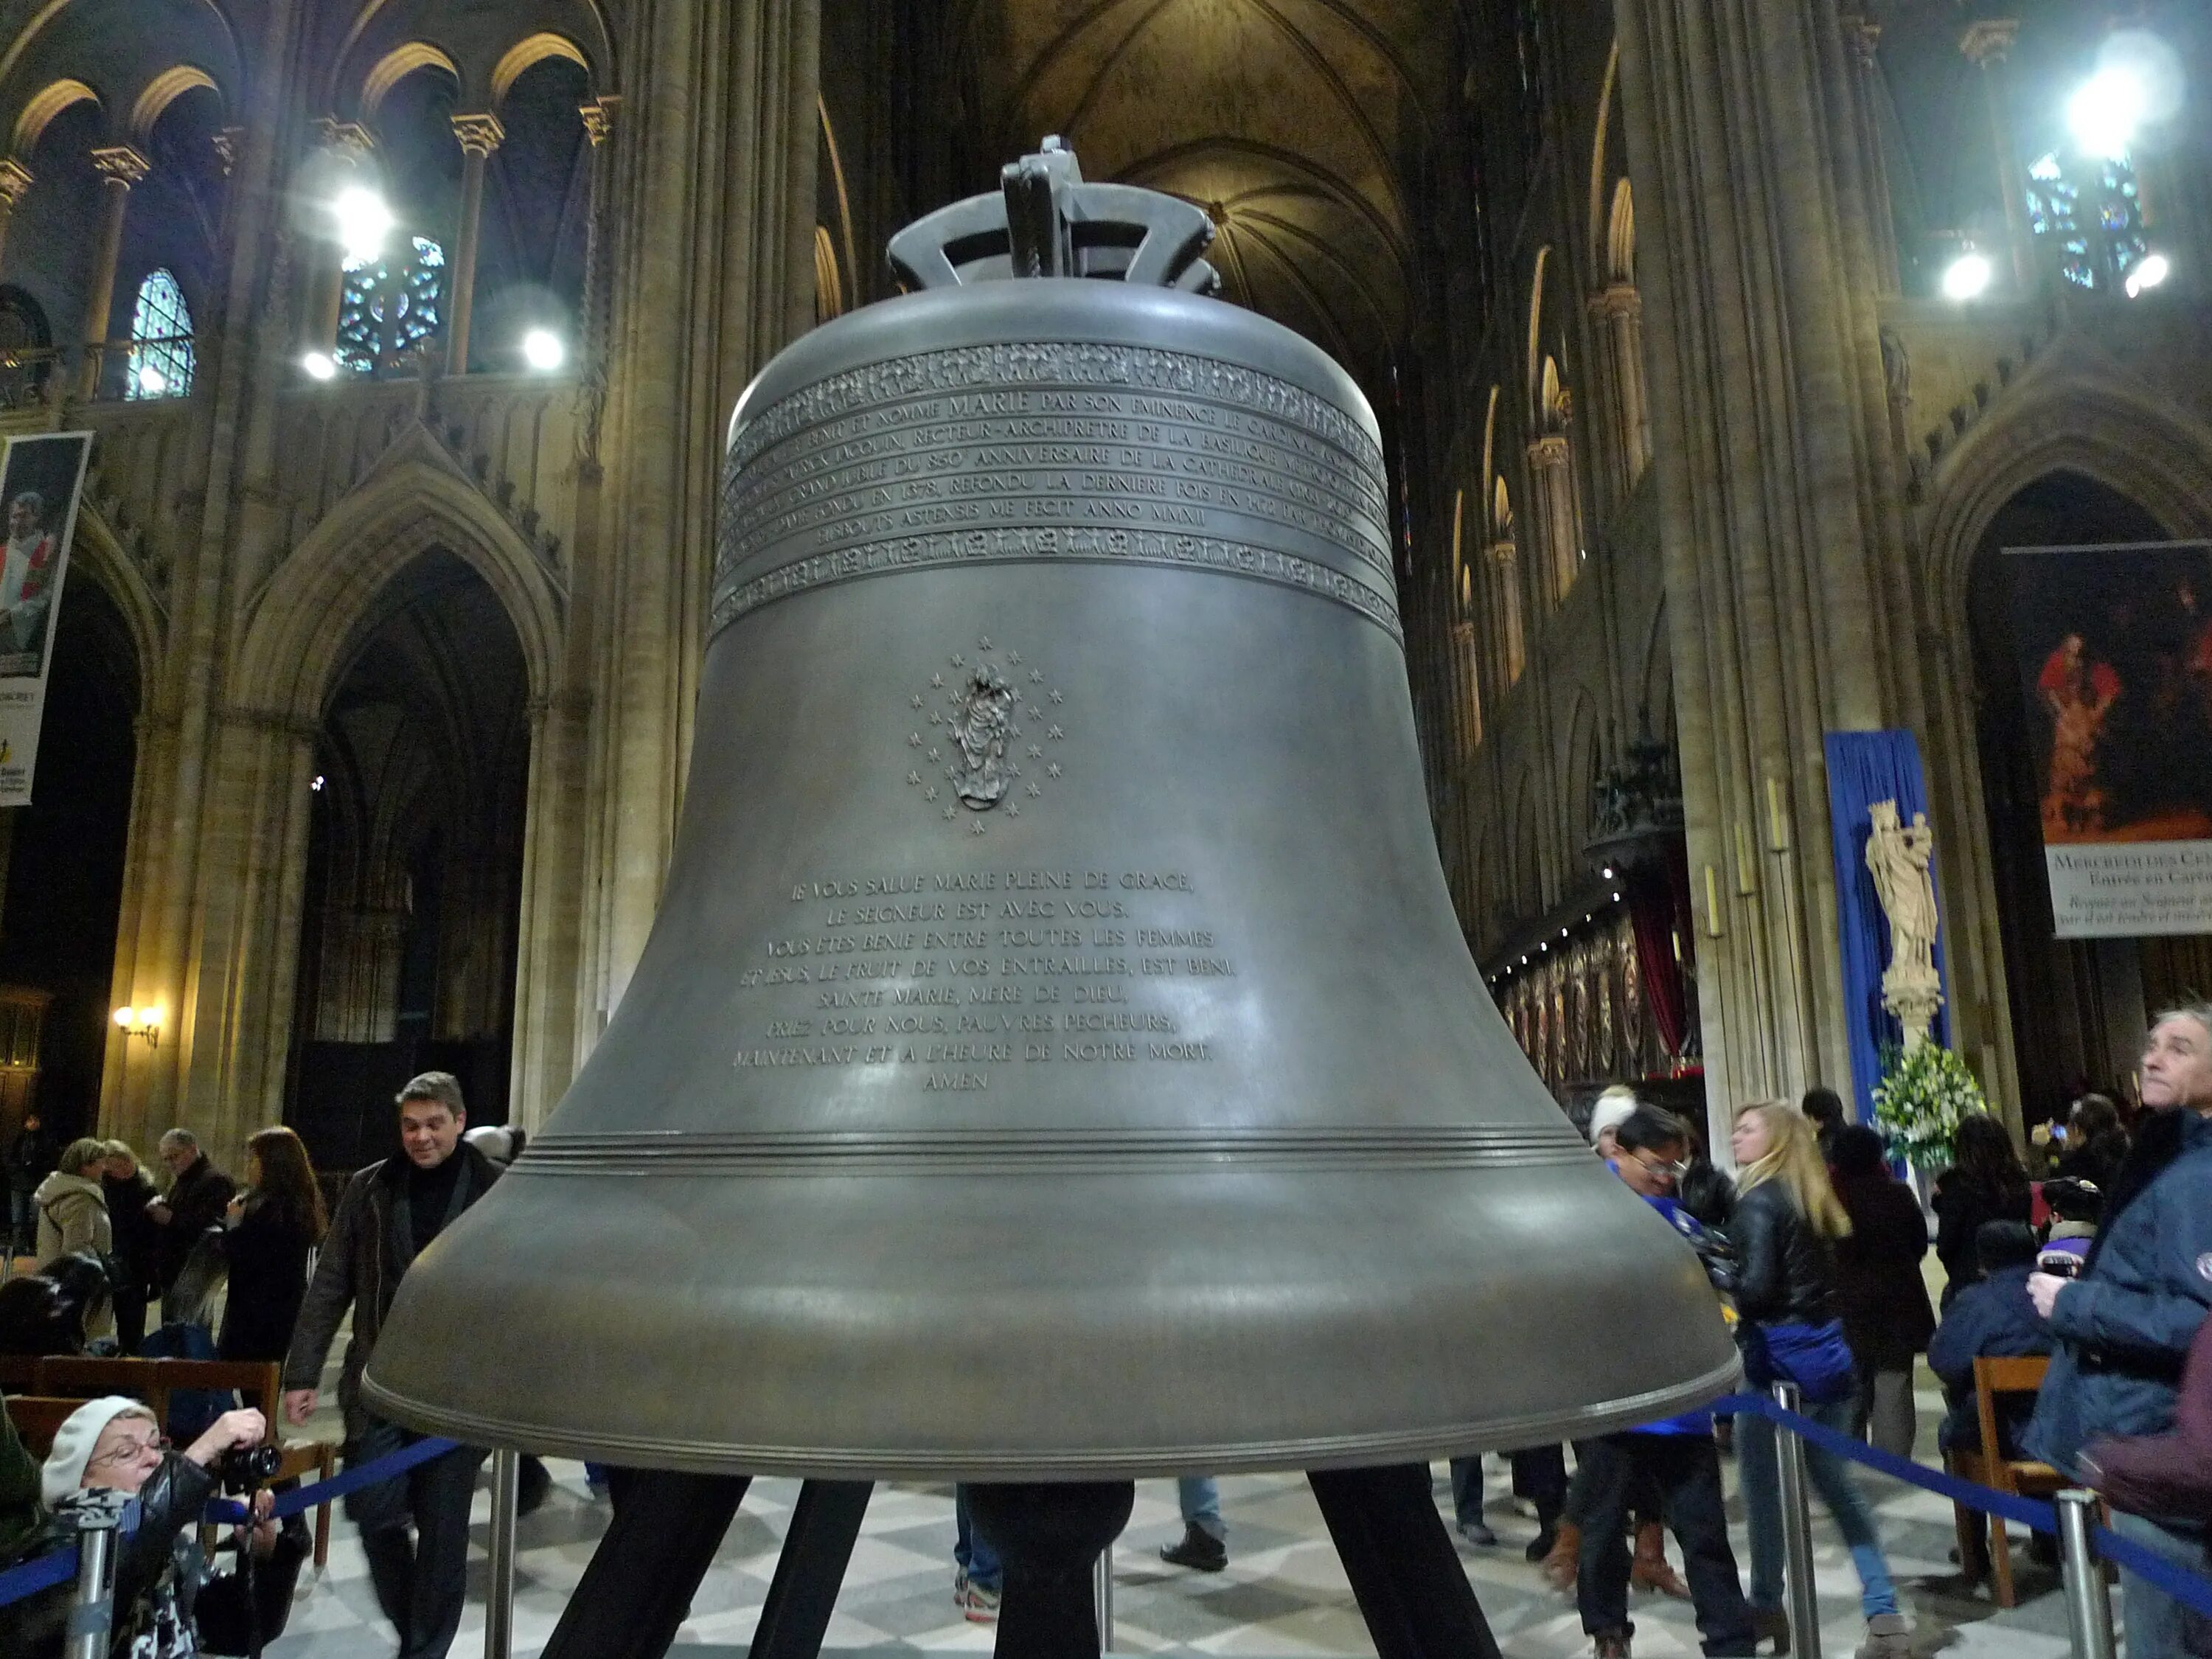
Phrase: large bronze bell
x=1056 y=1056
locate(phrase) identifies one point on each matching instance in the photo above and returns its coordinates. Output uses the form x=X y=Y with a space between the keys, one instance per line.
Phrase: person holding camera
x=168 y=1603
x=388 y=1216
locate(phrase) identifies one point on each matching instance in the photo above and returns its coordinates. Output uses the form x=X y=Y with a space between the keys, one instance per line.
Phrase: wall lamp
x=141 y=1023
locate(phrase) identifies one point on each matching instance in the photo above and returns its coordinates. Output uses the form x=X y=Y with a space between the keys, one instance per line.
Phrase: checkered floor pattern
x=1284 y=1593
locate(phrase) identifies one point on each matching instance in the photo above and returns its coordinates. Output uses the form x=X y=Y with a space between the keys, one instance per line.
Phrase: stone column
x=1988 y=44
x=119 y=167
x=1552 y=504
x=1863 y=36
x=14 y=181
x=346 y=144
x=591 y=307
x=480 y=134
x=716 y=171
x=1618 y=310
x=1506 y=624
x=1779 y=504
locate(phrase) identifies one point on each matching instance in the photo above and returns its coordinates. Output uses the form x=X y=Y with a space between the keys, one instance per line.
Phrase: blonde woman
x=1786 y=1222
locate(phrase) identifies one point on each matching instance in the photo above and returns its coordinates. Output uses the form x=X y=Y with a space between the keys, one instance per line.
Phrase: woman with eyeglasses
x=169 y=1605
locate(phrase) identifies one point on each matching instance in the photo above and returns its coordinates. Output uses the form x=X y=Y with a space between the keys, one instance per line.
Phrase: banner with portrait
x=2114 y=650
x=41 y=478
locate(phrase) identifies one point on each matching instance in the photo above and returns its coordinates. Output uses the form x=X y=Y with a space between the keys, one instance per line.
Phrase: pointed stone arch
x=1584 y=756
x=303 y=615
x=97 y=552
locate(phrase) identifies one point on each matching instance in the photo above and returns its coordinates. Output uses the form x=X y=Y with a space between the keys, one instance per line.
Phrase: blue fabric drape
x=1863 y=767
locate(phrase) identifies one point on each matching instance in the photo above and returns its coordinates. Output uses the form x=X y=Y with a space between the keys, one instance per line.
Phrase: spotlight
x=363 y=220
x=1967 y=277
x=315 y=783
x=2106 y=110
x=2149 y=272
x=1608 y=872
x=319 y=365
x=152 y=383
x=1616 y=898
x=542 y=351
x=126 y=1017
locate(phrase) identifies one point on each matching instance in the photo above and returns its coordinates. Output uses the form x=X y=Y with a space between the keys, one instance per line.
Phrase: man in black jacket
x=198 y=1194
x=390 y=1213
x=137 y=1236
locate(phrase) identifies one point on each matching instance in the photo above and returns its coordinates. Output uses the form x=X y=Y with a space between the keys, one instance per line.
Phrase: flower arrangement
x=1925 y=1093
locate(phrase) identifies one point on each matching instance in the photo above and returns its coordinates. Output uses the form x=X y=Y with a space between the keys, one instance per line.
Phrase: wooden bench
x=154 y=1380
x=1989 y=1467
x=38 y=1419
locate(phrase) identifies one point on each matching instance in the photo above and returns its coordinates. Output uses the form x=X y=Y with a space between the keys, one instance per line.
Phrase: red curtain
x=1658 y=897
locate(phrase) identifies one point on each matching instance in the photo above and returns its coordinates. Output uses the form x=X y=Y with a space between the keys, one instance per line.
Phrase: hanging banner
x=2114 y=648
x=1867 y=770
x=40 y=479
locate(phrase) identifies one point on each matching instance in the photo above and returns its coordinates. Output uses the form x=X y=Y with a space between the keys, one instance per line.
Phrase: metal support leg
x=1797 y=1532
x=499 y=1595
x=94 y=1514
x=1102 y=1593
x=2088 y=1605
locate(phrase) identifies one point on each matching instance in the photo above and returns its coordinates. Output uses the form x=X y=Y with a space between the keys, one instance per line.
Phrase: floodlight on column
x=318 y=365
x=364 y=219
x=2106 y=110
x=542 y=349
x=1967 y=277
x=2149 y=272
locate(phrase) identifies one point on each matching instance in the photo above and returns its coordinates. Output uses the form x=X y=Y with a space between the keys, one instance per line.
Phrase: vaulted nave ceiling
x=1296 y=123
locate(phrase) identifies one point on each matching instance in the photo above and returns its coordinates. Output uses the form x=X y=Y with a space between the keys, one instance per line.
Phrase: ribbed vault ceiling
x=1295 y=123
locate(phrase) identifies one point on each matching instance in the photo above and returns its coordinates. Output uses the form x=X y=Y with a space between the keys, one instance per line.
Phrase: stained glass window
x=161 y=364
x=390 y=305
x=2089 y=215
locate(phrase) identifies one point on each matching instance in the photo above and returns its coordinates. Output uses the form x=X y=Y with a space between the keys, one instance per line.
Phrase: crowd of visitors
x=2105 y=1266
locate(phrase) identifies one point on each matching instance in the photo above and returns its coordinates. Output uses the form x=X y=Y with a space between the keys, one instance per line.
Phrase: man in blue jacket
x=1992 y=1318
x=1678 y=1454
x=2126 y=1325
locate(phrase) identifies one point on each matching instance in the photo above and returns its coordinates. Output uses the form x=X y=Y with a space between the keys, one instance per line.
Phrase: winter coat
x=30 y=1160
x=2124 y=1327
x=72 y=1217
x=1961 y=1206
x=1785 y=1271
x=197 y=1200
x=1879 y=1290
x=268 y=1257
x=369 y=1246
x=135 y=1232
x=1993 y=1320
x=167 y=1606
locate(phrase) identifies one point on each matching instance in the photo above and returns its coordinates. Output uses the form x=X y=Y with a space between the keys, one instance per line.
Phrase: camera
x=242 y=1468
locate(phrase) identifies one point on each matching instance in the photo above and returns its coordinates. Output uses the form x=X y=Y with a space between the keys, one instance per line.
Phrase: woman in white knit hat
x=168 y=1605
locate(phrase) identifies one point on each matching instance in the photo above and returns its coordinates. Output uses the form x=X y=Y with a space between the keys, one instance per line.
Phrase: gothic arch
x=163 y=90
x=94 y=550
x=1601 y=167
x=302 y=619
x=1621 y=235
x=1536 y=281
x=2085 y=419
x=1582 y=758
x=396 y=66
x=40 y=109
x=532 y=49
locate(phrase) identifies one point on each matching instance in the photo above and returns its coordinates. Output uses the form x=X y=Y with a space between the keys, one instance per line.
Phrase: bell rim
x=1363 y=1450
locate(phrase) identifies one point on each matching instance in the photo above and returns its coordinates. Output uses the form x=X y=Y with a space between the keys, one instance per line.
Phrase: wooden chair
x=1989 y=1467
x=38 y=1419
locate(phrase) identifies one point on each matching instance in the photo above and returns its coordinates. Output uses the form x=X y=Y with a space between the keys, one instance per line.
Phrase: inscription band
x=1078 y=544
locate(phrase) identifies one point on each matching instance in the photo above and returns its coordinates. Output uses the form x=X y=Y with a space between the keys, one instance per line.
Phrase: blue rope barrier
x=2028 y=1512
x=229 y=1511
x=41 y=1572
x=2174 y=1579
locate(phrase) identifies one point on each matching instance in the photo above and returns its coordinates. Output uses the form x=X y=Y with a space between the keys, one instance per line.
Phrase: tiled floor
x=1284 y=1593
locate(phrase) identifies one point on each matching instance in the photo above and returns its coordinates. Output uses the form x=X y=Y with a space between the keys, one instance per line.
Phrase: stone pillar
x=1780 y=509
x=1618 y=310
x=591 y=308
x=1988 y=45
x=1557 y=520
x=119 y=167
x=716 y=171
x=346 y=144
x=227 y=144
x=1863 y=36
x=480 y=134
x=1506 y=625
x=14 y=181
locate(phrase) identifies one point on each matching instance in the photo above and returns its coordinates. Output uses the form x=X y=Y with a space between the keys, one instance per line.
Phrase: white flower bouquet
x=1925 y=1093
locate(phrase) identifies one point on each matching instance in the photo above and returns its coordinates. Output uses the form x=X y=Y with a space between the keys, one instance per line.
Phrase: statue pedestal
x=1912 y=994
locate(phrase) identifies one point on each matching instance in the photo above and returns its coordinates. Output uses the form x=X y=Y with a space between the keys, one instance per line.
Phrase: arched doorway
x=408 y=944
x=2078 y=1005
x=64 y=852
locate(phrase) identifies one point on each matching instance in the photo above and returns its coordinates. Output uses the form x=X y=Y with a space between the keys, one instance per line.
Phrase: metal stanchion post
x=1101 y=1592
x=498 y=1606
x=2088 y=1606
x=1796 y=1531
x=96 y=1515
